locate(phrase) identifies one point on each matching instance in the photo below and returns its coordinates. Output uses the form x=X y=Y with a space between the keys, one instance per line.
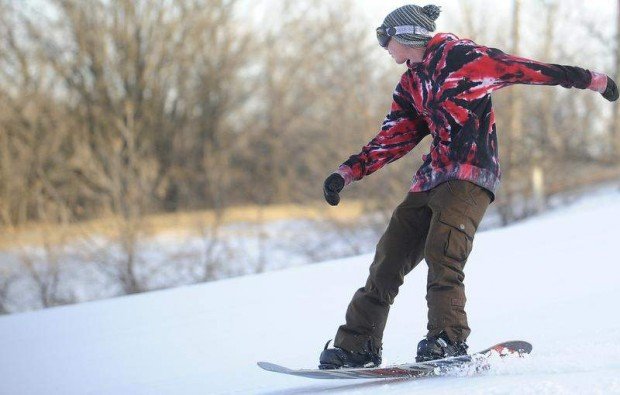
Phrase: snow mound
x=552 y=281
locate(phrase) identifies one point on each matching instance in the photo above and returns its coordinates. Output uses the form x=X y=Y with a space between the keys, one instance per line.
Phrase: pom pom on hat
x=432 y=11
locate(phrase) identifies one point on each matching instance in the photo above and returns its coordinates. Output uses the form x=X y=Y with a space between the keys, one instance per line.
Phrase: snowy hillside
x=554 y=281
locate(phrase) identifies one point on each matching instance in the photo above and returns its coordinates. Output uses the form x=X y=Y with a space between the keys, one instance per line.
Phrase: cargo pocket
x=460 y=237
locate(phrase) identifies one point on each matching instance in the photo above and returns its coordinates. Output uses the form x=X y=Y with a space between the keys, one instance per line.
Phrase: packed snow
x=553 y=281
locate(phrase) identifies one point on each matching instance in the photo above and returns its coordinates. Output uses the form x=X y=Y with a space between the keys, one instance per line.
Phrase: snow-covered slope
x=554 y=281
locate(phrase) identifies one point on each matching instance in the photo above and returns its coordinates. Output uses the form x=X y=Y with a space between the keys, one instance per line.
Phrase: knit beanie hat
x=422 y=17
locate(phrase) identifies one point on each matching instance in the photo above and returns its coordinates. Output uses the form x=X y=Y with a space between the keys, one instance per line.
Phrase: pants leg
x=399 y=250
x=457 y=207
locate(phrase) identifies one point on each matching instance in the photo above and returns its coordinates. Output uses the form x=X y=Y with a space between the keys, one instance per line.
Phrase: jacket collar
x=435 y=42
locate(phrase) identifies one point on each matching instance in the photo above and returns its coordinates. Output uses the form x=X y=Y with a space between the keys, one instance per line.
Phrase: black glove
x=332 y=187
x=611 y=92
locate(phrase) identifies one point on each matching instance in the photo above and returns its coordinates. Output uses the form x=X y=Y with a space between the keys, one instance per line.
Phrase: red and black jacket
x=448 y=95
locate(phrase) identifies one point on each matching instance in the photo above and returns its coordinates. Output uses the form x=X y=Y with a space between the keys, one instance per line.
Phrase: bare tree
x=148 y=84
x=615 y=123
x=512 y=138
x=553 y=138
x=6 y=279
x=44 y=269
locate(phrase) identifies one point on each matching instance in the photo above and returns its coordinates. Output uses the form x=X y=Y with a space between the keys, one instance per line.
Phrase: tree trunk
x=615 y=124
x=513 y=139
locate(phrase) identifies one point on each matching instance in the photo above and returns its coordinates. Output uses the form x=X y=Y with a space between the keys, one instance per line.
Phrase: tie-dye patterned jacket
x=448 y=95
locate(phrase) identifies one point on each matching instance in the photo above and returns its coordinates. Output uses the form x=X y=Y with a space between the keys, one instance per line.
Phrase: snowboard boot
x=336 y=358
x=439 y=347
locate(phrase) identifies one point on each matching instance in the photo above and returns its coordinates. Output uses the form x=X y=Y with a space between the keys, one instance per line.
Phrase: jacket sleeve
x=487 y=69
x=401 y=131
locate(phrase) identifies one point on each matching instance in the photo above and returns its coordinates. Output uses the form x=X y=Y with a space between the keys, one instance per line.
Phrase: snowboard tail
x=477 y=361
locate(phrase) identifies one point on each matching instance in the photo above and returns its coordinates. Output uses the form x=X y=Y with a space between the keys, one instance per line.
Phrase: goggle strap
x=407 y=29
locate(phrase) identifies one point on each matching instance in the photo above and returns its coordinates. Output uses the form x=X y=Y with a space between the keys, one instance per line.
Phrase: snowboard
x=477 y=362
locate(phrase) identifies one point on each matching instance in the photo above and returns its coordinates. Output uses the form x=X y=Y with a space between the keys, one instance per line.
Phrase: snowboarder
x=445 y=92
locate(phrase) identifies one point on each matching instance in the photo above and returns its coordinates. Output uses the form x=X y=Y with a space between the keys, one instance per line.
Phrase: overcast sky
x=378 y=9
x=601 y=11
x=600 y=14
x=586 y=28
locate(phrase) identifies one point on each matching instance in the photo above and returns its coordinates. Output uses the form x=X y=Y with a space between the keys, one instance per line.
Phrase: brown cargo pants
x=436 y=225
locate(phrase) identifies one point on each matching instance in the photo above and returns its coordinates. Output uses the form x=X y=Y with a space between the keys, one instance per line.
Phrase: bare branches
x=6 y=280
x=124 y=108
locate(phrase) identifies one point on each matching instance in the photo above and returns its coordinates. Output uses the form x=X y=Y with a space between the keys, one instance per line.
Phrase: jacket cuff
x=346 y=173
x=599 y=82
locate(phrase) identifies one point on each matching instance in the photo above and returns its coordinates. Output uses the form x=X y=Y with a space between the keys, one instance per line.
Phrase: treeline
x=130 y=107
x=134 y=106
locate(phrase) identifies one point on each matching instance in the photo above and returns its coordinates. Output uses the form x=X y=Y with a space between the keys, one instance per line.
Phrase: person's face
x=401 y=53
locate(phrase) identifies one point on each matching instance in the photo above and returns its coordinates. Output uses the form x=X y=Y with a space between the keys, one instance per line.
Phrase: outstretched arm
x=483 y=70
